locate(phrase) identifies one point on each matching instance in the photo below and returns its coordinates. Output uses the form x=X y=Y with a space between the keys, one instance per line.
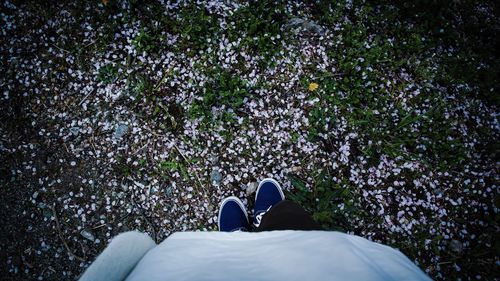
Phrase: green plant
x=174 y=166
x=329 y=202
x=107 y=74
x=195 y=25
x=261 y=22
x=226 y=89
x=144 y=42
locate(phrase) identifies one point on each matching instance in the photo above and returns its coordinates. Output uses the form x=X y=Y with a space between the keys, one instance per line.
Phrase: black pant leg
x=287 y=215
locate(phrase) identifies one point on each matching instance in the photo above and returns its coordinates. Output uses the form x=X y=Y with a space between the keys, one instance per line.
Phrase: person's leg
x=120 y=257
x=287 y=215
x=233 y=215
x=272 y=212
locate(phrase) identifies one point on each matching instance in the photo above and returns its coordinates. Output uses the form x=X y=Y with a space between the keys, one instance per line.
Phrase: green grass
x=224 y=89
x=329 y=203
x=107 y=74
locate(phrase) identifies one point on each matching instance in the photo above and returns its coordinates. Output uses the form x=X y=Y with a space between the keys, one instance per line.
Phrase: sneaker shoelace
x=258 y=217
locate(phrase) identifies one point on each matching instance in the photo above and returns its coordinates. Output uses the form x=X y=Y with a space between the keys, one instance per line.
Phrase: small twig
x=83 y=250
x=58 y=227
x=89 y=44
x=328 y=75
x=61 y=49
x=162 y=80
x=140 y=149
x=186 y=160
x=194 y=171
x=91 y=140
x=99 y=226
x=66 y=147
x=85 y=98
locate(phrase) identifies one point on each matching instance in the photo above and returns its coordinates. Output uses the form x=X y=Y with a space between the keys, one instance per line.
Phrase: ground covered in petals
x=380 y=118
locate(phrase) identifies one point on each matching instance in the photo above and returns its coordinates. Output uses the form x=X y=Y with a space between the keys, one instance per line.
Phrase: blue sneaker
x=233 y=215
x=268 y=194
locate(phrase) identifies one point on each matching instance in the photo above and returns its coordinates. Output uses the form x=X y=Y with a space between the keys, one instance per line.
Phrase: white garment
x=274 y=255
x=119 y=258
